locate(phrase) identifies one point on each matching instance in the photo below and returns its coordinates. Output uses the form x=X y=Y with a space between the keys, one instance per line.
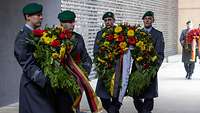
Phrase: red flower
x=38 y=32
x=120 y=38
x=146 y=66
x=189 y=38
x=109 y=37
x=62 y=36
x=68 y=34
x=65 y=34
x=55 y=43
x=191 y=35
x=197 y=32
x=132 y=40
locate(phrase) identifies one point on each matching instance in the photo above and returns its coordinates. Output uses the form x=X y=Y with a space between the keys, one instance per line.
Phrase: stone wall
x=89 y=17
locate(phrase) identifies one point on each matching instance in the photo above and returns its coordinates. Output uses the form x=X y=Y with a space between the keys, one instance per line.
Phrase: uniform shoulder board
x=21 y=30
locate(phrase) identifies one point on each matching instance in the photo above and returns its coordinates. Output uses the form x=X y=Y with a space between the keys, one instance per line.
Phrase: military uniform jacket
x=186 y=49
x=79 y=50
x=35 y=92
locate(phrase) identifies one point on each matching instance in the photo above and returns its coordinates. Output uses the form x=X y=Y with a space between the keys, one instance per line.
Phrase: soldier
x=67 y=21
x=145 y=101
x=36 y=95
x=186 y=52
x=109 y=103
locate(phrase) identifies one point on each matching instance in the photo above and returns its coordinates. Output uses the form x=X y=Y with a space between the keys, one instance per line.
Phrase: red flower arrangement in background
x=192 y=34
x=193 y=37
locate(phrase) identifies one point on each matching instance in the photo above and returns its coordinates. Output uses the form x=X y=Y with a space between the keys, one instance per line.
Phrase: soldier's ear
x=27 y=17
x=113 y=20
x=153 y=19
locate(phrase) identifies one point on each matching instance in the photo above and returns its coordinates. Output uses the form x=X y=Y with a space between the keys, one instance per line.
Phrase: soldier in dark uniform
x=36 y=95
x=145 y=101
x=186 y=52
x=67 y=21
x=110 y=104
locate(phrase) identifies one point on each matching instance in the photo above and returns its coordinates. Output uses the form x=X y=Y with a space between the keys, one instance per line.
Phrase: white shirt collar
x=29 y=27
x=148 y=29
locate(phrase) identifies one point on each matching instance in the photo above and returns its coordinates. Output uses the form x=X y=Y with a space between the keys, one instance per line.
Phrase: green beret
x=66 y=16
x=32 y=8
x=188 y=22
x=148 y=13
x=108 y=14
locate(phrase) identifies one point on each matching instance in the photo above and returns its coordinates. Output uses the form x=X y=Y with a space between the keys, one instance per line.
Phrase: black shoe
x=186 y=76
x=189 y=76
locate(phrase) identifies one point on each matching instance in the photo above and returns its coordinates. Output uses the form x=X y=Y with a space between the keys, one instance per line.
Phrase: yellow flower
x=122 y=45
x=46 y=39
x=104 y=34
x=62 y=51
x=142 y=33
x=54 y=37
x=143 y=48
x=154 y=58
x=106 y=43
x=118 y=29
x=125 y=49
x=139 y=44
x=100 y=60
x=61 y=28
x=139 y=59
x=55 y=55
x=130 y=33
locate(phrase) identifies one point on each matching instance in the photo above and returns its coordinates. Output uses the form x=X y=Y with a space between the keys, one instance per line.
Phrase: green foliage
x=140 y=80
x=104 y=74
x=59 y=77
